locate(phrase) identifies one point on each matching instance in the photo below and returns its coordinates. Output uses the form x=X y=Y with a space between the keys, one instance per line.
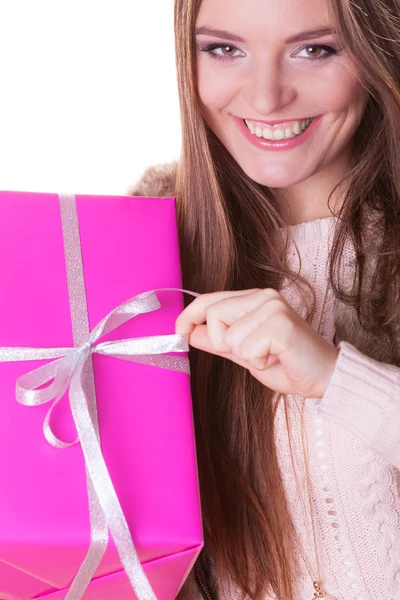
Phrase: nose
x=267 y=89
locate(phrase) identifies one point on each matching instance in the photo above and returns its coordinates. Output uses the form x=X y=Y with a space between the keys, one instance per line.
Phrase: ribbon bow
x=68 y=368
x=72 y=369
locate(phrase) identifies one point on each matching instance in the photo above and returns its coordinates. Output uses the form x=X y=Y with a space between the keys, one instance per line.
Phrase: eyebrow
x=299 y=37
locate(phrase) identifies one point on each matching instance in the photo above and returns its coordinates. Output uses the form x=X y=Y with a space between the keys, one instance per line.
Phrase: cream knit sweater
x=353 y=437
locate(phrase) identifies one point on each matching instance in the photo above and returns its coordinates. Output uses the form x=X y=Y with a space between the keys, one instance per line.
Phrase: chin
x=274 y=180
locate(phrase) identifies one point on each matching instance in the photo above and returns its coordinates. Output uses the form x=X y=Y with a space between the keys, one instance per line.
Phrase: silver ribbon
x=72 y=369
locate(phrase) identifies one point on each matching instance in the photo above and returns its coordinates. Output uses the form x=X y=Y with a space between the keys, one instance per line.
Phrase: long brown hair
x=228 y=225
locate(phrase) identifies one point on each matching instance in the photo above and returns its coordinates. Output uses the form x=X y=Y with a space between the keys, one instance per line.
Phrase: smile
x=279 y=132
x=279 y=136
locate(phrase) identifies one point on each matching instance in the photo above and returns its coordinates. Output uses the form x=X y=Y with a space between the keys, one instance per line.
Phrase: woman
x=288 y=196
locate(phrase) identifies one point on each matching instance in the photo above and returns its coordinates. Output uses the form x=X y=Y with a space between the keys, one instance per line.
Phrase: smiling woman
x=289 y=179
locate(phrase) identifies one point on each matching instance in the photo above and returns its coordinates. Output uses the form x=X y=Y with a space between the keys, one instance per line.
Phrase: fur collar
x=159 y=181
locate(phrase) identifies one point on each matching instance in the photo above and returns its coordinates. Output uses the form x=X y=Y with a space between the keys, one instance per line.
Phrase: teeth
x=289 y=133
x=297 y=128
x=268 y=134
x=279 y=134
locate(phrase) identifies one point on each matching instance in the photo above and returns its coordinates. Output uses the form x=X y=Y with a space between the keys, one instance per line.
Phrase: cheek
x=349 y=95
x=215 y=89
x=339 y=91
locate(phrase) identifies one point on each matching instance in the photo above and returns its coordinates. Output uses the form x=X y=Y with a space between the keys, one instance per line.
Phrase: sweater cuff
x=360 y=393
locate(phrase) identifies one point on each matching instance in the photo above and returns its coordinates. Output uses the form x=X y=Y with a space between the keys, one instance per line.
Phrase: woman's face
x=278 y=65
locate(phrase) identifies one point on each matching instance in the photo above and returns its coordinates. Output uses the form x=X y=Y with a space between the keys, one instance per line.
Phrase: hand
x=260 y=331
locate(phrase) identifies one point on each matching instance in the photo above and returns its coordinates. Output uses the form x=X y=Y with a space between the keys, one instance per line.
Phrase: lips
x=282 y=144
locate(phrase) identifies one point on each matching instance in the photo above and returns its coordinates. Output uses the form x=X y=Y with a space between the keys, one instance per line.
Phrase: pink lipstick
x=285 y=144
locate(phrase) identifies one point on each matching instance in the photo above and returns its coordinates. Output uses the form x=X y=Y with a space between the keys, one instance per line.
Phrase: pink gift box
x=129 y=246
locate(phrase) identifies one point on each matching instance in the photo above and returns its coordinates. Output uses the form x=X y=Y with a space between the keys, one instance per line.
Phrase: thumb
x=199 y=339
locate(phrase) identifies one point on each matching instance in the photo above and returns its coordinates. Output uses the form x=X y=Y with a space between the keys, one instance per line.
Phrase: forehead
x=253 y=18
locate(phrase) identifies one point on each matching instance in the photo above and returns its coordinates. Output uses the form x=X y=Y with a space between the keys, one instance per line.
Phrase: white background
x=88 y=93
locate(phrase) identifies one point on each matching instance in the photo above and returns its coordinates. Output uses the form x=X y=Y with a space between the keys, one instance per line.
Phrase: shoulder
x=157 y=181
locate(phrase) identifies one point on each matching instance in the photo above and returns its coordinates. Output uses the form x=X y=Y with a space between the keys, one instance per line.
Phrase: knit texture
x=353 y=439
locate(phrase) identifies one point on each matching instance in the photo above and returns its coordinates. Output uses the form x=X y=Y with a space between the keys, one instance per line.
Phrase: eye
x=227 y=51
x=316 y=52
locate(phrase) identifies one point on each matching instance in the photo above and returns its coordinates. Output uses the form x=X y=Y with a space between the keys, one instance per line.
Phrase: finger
x=195 y=313
x=268 y=340
x=231 y=319
x=259 y=309
x=271 y=361
x=199 y=339
x=262 y=364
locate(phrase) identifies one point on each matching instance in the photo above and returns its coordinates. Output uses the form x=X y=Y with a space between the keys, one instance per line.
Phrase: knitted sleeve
x=363 y=395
